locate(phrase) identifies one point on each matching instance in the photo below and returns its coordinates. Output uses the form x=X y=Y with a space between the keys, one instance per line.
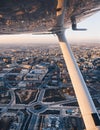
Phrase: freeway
x=13 y=98
x=41 y=95
x=32 y=123
x=26 y=121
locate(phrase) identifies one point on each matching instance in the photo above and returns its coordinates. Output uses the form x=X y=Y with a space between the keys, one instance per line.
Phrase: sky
x=92 y=24
x=92 y=34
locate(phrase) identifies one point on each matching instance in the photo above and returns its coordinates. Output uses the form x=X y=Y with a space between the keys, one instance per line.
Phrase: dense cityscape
x=36 y=92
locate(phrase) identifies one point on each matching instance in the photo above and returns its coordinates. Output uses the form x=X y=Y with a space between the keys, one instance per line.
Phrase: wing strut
x=87 y=107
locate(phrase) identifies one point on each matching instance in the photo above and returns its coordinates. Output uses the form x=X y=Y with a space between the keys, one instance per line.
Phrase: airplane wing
x=17 y=16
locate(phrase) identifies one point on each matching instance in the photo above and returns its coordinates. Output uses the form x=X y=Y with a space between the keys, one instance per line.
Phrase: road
x=32 y=123
x=33 y=113
x=41 y=95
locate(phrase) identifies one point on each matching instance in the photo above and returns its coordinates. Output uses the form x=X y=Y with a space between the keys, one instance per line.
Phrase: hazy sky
x=27 y=38
x=93 y=33
x=92 y=24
